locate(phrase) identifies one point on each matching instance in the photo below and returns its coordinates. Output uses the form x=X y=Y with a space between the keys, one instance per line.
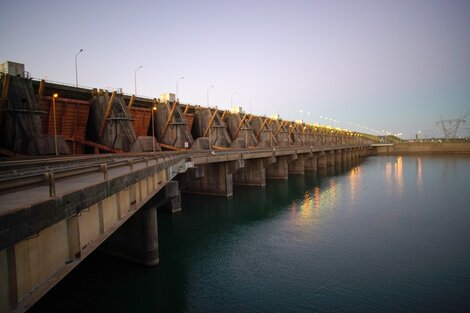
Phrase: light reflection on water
x=326 y=199
x=316 y=201
x=393 y=176
x=354 y=183
x=419 y=175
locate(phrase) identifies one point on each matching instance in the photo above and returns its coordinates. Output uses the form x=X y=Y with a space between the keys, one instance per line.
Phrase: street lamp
x=266 y=106
x=54 y=96
x=231 y=98
x=290 y=132
x=76 y=67
x=251 y=112
x=208 y=94
x=210 y=139
x=271 y=135
x=177 y=82
x=135 y=79
x=153 y=128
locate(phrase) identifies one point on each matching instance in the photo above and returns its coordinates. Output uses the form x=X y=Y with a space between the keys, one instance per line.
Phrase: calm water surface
x=391 y=234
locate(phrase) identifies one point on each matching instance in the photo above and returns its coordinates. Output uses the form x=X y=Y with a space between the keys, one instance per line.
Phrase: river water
x=390 y=234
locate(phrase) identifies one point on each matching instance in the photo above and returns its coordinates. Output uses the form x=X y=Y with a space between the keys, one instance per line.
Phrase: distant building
x=299 y=121
x=276 y=117
x=170 y=97
x=237 y=110
x=12 y=68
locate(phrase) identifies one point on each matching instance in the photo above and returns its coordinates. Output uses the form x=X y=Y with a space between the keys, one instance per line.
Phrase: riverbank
x=422 y=148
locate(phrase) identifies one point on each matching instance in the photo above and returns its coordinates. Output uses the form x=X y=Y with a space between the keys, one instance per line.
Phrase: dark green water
x=391 y=234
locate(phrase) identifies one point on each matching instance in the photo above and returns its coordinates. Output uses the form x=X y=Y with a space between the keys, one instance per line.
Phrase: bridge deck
x=25 y=195
x=19 y=199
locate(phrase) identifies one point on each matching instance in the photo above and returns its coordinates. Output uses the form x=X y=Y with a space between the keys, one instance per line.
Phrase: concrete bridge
x=55 y=210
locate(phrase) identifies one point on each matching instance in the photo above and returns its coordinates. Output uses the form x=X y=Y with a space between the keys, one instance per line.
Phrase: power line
x=451 y=126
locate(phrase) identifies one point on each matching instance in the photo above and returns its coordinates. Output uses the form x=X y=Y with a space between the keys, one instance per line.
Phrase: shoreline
x=413 y=148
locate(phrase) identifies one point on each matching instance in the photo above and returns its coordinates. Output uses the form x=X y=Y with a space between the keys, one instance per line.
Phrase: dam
x=82 y=164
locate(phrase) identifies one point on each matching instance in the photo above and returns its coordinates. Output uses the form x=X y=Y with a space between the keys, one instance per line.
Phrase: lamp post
x=76 y=67
x=153 y=128
x=135 y=79
x=246 y=134
x=210 y=143
x=290 y=131
x=208 y=94
x=266 y=106
x=251 y=112
x=177 y=82
x=54 y=96
x=231 y=98
x=271 y=135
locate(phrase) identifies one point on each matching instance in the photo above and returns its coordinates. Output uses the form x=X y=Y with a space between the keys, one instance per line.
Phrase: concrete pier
x=279 y=169
x=137 y=239
x=297 y=166
x=254 y=172
x=330 y=158
x=355 y=155
x=217 y=180
x=311 y=163
x=173 y=196
x=168 y=198
x=338 y=157
x=321 y=160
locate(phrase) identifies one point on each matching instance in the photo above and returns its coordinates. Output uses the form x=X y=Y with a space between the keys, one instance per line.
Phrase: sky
x=397 y=66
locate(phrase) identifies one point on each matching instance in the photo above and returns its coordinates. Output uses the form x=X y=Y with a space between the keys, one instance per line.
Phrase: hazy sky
x=389 y=65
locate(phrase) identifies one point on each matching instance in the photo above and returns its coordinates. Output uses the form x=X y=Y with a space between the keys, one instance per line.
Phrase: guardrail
x=50 y=177
x=46 y=174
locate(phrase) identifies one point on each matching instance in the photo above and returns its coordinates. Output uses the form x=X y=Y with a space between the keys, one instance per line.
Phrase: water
x=391 y=234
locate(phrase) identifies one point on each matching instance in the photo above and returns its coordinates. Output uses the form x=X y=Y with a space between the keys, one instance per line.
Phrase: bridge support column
x=338 y=157
x=330 y=158
x=354 y=155
x=311 y=163
x=346 y=156
x=279 y=169
x=254 y=172
x=173 y=196
x=297 y=166
x=321 y=161
x=137 y=239
x=217 y=180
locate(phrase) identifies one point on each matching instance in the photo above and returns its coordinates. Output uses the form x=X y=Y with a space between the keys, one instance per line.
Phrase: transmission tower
x=451 y=126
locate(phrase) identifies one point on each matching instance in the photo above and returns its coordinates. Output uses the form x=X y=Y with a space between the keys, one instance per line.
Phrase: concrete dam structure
x=96 y=121
x=83 y=169
x=21 y=127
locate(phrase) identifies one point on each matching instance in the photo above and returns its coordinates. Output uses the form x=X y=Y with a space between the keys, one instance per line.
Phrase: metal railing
x=48 y=171
x=50 y=177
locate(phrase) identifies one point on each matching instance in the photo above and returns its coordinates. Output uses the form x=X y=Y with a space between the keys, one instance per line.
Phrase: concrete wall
x=422 y=148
